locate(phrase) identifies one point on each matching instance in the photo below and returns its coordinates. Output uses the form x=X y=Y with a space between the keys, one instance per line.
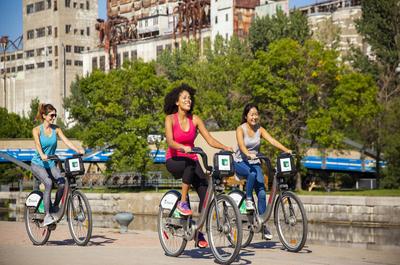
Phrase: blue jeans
x=255 y=180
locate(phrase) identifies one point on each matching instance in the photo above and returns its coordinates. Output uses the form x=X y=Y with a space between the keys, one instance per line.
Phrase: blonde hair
x=44 y=109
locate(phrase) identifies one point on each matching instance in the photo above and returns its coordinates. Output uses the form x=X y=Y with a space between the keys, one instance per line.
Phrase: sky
x=11 y=15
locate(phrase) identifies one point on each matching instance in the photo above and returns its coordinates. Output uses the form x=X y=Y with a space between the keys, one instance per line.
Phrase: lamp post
x=3 y=43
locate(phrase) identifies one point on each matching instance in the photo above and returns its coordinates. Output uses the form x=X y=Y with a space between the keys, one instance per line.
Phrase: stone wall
x=383 y=211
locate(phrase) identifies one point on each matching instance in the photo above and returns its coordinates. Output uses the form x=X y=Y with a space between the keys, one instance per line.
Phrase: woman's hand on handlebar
x=44 y=157
x=252 y=156
x=81 y=151
x=228 y=148
x=186 y=149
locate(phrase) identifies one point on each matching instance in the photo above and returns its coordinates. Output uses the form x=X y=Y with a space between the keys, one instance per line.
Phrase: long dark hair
x=44 y=109
x=246 y=110
x=172 y=97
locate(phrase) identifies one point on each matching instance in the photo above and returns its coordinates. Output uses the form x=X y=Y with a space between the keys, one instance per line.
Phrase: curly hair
x=172 y=97
x=246 y=110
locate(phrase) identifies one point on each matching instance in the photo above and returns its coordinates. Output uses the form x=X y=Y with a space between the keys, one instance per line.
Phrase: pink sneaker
x=183 y=208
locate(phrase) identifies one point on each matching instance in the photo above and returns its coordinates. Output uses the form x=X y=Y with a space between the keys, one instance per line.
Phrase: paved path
x=109 y=247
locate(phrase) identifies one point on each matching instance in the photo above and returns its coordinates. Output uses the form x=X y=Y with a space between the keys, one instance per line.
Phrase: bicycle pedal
x=52 y=227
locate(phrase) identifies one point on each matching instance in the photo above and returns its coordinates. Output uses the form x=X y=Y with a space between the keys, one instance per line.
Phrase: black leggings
x=191 y=173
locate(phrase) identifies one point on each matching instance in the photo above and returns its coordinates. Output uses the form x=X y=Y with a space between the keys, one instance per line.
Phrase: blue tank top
x=49 y=146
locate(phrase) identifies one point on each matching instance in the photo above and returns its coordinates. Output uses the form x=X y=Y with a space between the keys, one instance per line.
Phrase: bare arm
x=68 y=142
x=36 y=135
x=170 y=137
x=207 y=136
x=273 y=141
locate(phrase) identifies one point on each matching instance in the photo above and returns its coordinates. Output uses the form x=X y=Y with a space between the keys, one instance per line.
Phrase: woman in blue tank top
x=45 y=136
x=247 y=165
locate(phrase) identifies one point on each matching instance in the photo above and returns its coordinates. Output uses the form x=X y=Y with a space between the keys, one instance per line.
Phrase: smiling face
x=252 y=117
x=50 y=117
x=184 y=101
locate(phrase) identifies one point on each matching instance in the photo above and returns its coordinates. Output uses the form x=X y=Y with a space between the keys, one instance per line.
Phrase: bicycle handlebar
x=199 y=151
x=56 y=158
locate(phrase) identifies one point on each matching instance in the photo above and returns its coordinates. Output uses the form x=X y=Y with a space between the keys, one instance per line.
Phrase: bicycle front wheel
x=224 y=229
x=37 y=233
x=79 y=217
x=291 y=221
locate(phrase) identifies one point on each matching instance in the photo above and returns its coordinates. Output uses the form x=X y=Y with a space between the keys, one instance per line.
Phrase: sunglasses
x=53 y=116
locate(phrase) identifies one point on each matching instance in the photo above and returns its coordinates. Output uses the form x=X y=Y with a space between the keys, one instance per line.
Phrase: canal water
x=370 y=237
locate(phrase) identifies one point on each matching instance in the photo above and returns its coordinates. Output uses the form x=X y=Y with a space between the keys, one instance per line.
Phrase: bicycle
x=290 y=217
x=73 y=202
x=219 y=211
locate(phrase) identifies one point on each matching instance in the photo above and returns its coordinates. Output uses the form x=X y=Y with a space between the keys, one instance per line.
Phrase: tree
x=267 y=29
x=328 y=33
x=303 y=92
x=14 y=126
x=380 y=27
x=120 y=108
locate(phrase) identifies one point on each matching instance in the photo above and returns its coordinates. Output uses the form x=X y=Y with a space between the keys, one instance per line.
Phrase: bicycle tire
x=79 y=216
x=248 y=232
x=292 y=231
x=231 y=232
x=42 y=234
x=168 y=236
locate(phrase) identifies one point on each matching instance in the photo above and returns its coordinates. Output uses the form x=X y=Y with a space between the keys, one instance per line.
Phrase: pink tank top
x=182 y=137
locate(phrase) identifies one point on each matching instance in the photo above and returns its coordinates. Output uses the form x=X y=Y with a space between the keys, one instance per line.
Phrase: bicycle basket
x=223 y=164
x=285 y=165
x=74 y=166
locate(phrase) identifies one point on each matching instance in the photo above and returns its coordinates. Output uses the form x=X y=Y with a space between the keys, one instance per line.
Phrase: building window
x=78 y=63
x=67 y=29
x=159 y=50
x=67 y=3
x=82 y=6
x=140 y=24
x=75 y=31
x=75 y=4
x=49 y=63
x=55 y=5
x=12 y=57
x=40 y=52
x=68 y=62
x=68 y=48
x=30 y=34
x=87 y=5
x=55 y=50
x=30 y=53
x=134 y=55
x=13 y=69
x=49 y=49
x=125 y=55
x=88 y=31
x=82 y=32
x=48 y=4
x=216 y=19
x=56 y=63
x=49 y=30
x=40 y=65
x=168 y=47
x=226 y=17
x=94 y=63
x=118 y=61
x=79 y=49
x=102 y=63
x=30 y=9
x=20 y=68
x=20 y=55
x=155 y=21
x=39 y=6
x=55 y=32
x=29 y=66
x=40 y=32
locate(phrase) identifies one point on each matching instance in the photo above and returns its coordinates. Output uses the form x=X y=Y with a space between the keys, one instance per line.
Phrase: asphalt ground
x=108 y=246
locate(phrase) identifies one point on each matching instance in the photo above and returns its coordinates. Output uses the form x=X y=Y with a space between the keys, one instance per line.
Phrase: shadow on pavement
x=94 y=241
x=275 y=245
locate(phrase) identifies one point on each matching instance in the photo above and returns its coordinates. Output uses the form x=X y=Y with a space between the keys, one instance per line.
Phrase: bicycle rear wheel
x=291 y=221
x=225 y=232
x=37 y=233
x=79 y=217
x=171 y=236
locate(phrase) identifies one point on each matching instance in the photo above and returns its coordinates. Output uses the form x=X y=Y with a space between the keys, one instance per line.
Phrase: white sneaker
x=249 y=205
x=267 y=233
x=48 y=219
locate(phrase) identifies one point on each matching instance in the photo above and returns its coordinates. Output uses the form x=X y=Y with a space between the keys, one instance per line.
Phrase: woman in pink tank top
x=181 y=130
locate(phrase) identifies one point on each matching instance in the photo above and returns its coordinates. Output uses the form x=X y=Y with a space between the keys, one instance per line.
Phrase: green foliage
x=265 y=30
x=14 y=126
x=301 y=87
x=120 y=108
